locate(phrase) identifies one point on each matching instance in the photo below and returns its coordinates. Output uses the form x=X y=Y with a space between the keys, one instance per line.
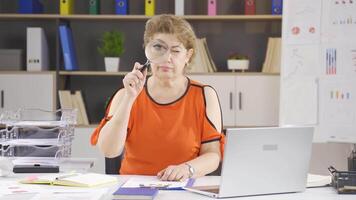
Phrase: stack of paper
x=272 y=62
x=318 y=180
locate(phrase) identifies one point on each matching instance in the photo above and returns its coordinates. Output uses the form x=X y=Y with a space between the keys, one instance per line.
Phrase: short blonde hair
x=171 y=24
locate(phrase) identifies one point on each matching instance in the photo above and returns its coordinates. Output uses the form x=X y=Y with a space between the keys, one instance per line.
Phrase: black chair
x=112 y=165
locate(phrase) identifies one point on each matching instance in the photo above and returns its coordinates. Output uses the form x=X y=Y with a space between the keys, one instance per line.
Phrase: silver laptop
x=261 y=161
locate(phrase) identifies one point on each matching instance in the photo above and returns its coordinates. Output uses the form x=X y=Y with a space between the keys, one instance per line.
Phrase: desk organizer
x=37 y=133
x=343 y=181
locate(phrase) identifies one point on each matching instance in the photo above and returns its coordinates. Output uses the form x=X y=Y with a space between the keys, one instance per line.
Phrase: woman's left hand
x=174 y=173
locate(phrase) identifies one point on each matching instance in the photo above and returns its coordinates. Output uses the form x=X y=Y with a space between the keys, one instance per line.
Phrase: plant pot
x=238 y=64
x=112 y=64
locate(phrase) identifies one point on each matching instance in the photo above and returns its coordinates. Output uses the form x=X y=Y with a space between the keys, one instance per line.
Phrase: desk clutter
x=343 y=181
x=34 y=133
x=147 y=187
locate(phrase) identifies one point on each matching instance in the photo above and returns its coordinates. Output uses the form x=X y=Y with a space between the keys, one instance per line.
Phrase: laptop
x=260 y=161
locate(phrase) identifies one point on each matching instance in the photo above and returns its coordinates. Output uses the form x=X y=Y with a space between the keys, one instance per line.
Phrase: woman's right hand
x=134 y=81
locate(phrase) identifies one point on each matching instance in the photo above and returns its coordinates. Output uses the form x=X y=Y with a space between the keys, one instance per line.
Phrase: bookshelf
x=228 y=31
x=137 y=17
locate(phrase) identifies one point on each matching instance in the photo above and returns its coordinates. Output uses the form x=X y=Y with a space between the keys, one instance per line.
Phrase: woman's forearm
x=205 y=163
x=113 y=135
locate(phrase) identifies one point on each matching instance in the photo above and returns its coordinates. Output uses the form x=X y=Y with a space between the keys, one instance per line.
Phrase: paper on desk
x=13 y=188
x=70 y=194
x=315 y=180
x=152 y=181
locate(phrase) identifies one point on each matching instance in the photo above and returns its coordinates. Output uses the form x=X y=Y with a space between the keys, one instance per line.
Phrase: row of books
x=122 y=7
x=68 y=100
x=272 y=63
x=203 y=61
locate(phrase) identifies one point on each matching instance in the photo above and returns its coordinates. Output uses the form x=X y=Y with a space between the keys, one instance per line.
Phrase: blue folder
x=68 y=50
x=122 y=7
x=277 y=7
x=29 y=6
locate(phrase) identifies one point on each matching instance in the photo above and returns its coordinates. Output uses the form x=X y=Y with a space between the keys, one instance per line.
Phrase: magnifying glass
x=156 y=52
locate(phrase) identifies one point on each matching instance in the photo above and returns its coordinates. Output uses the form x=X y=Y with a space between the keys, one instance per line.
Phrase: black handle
x=144 y=66
x=2 y=99
x=230 y=100
x=240 y=101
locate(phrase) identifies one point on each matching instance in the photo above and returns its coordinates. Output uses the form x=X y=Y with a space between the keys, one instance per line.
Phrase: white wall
x=326 y=154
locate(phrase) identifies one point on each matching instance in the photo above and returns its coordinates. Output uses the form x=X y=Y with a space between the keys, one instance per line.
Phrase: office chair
x=112 y=165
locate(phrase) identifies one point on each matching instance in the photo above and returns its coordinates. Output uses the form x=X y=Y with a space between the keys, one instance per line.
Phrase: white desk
x=326 y=193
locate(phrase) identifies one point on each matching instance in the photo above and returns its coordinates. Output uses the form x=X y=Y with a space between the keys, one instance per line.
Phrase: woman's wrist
x=191 y=169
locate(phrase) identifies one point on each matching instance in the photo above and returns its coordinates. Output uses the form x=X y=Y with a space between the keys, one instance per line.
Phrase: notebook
x=135 y=193
x=72 y=179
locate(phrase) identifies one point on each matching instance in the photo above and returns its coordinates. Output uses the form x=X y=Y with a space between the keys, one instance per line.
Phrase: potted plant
x=112 y=47
x=238 y=62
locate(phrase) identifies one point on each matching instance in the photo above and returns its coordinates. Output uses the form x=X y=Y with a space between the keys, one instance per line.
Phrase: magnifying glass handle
x=146 y=65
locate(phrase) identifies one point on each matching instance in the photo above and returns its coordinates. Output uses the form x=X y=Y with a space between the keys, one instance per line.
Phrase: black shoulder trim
x=166 y=104
x=212 y=140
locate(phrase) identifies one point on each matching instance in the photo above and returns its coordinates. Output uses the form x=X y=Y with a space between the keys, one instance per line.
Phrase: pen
x=65 y=176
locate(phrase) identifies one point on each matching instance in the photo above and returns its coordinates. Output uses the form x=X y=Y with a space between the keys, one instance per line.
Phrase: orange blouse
x=159 y=135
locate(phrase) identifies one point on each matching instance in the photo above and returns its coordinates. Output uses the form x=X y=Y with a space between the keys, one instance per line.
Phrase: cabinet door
x=27 y=91
x=224 y=86
x=257 y=100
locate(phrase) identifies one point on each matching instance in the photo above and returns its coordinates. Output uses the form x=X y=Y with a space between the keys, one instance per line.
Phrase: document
x=153 y=181
x=68 y=193
x=315 y=180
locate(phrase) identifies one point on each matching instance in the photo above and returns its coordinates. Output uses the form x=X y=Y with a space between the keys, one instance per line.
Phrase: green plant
x=111 y=44
x=235 y=56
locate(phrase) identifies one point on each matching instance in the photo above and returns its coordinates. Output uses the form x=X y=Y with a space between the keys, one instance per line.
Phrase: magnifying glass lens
x=155 y=51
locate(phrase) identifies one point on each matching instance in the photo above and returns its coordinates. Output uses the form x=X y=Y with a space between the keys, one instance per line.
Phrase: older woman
x=169 y=125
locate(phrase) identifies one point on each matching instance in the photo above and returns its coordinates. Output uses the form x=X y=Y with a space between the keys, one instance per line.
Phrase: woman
x=170 y=126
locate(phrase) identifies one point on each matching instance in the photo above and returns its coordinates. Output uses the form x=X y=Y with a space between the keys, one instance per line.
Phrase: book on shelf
x=179 y=7
x=37 y=58
x=74 y=101
x=94 y=7
x=211 y=7
x=30 y=7
x=272 y=63
x=202 y=62
x=277 y=7
x=78 y=97
x=68 y=50
x=66 y=7
x=150 y=7
x=72 y=179
x=250 y=7
x=122 y=7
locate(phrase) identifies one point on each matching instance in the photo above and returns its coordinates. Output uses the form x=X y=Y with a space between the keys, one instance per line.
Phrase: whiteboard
x=318 y=73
